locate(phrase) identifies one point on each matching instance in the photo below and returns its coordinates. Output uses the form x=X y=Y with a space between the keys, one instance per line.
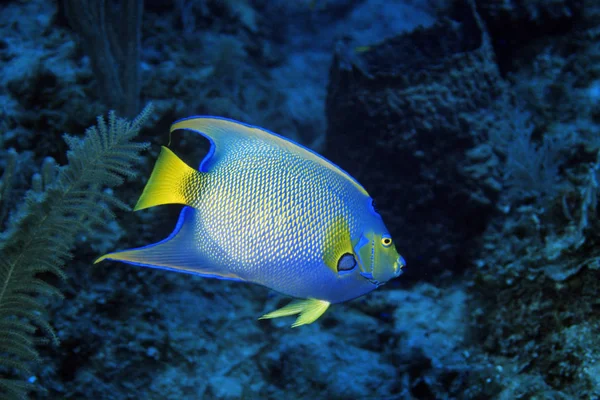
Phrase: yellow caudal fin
x=172 y=182
x=310 y=310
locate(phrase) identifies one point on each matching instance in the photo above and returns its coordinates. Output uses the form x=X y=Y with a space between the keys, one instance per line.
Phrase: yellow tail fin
x=172 y=182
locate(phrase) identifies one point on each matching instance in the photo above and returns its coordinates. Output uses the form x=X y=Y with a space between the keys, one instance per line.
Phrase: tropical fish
x=266 y=210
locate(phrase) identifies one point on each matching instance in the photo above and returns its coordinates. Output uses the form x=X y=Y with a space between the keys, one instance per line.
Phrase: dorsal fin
x=227 y=135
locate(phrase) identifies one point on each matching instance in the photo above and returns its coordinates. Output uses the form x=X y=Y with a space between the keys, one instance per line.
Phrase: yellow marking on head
x=386 y=264
x=310 y=310
x=225 y=132
x=169 y=183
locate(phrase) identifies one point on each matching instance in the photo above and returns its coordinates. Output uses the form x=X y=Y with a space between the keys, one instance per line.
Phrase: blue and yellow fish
x=264 y=209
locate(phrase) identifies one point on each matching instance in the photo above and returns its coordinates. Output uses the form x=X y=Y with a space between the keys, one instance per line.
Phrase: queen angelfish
x=266 y=210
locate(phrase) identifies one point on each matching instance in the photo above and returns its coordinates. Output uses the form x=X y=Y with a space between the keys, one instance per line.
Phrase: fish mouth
x=398 y=265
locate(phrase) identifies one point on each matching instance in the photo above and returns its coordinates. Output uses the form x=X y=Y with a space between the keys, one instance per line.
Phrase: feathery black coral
x=42 y=232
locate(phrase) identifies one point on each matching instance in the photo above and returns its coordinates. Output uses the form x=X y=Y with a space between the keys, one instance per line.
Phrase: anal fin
x=178 y=252
x=310 y=310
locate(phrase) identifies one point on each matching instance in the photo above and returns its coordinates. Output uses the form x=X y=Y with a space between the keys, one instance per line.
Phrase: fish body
x=263 y=209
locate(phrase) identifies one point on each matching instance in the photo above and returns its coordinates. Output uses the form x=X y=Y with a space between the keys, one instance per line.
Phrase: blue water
x=474 y=124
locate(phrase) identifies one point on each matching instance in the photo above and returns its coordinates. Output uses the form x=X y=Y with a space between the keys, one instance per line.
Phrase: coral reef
x=413 y=104
x=40 y=234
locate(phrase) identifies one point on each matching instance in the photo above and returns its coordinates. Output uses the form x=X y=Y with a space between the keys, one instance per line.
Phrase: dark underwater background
x=474 y=125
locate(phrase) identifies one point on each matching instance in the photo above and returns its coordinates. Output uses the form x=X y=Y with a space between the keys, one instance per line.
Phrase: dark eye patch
x=347 y=262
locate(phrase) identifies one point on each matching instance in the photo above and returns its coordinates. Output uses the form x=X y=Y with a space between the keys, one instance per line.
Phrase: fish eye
x=386 y=241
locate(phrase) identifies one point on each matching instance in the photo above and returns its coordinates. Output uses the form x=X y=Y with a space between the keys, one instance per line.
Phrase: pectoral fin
x=310 y=310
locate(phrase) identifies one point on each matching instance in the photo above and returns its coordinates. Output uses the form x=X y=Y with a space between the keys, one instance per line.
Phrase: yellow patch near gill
x=337 y=242
x=169 y=182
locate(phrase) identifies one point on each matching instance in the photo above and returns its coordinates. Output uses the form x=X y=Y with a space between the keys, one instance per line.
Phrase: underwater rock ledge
x=403 y=117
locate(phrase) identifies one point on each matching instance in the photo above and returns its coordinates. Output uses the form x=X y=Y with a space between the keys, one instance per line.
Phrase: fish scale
x=270 y=183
